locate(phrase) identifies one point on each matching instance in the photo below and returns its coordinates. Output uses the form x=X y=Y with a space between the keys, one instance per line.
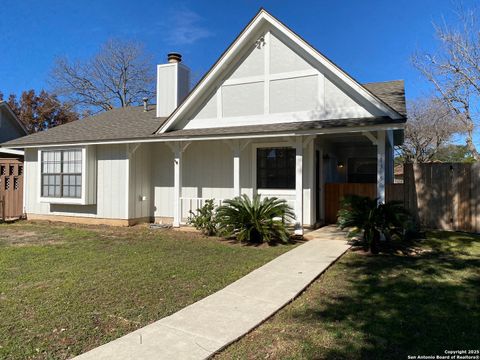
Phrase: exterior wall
x=140 y=186
x=207 y=173
x=162 y=180
x=271 y=82
x=112 y=170
x=9 y=129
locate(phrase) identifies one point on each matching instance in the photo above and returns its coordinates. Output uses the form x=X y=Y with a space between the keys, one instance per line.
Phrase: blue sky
x=371 y=40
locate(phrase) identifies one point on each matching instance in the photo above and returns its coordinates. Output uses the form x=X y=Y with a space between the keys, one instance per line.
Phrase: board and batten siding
x=141 y=192
x=208 y=174
x=111 y=171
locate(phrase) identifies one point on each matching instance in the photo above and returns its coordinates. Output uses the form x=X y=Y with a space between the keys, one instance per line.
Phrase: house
x=10 y=128
x=273 y=116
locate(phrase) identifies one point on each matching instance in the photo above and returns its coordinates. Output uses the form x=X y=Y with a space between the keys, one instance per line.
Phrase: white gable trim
x=257 y=22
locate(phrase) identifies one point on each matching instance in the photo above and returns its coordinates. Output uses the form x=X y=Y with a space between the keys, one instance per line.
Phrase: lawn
x=380 y=307
x=65 y=289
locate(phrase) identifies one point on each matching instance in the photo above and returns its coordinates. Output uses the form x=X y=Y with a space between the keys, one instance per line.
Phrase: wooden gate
x=11 y=188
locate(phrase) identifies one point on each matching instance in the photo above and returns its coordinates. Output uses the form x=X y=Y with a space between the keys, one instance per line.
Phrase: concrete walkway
x=207 y=326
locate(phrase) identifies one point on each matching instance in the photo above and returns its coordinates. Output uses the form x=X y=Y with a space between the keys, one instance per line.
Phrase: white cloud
x=184 y=27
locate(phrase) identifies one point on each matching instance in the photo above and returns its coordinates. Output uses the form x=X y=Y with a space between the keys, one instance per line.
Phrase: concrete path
x=207 y=326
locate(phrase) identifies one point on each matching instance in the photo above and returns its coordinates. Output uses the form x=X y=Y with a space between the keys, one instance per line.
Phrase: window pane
x=276 y=168
x=61 y=173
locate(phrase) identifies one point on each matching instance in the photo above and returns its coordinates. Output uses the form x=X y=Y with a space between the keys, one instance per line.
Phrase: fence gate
x=11 y=188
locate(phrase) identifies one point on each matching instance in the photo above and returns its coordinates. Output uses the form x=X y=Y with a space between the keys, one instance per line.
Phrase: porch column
x=177 y=187
x=299 y=185
x=178 y=148
x=237 y=146
x=381 y=166
x=236 y=170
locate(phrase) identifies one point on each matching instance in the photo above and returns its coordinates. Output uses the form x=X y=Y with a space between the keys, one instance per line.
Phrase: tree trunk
x=471 y=146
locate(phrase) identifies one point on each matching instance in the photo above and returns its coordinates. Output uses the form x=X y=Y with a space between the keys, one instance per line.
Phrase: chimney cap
x=174 y=57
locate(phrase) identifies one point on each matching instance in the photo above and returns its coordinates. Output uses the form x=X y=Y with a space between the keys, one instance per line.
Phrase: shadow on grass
x=401 y=305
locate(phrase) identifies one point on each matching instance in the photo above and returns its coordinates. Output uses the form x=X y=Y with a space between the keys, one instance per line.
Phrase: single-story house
x=273 y=116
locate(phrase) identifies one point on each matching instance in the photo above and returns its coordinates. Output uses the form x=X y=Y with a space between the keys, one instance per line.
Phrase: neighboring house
x=10 y=128
x=273 y=116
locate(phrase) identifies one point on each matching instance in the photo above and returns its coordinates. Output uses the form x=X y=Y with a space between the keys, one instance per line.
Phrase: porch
x=298 y=169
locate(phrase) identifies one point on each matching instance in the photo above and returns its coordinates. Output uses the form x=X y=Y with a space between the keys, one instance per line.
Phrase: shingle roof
x=117 y=124
x=134 y=123
x=390 y=92
x=282 y=127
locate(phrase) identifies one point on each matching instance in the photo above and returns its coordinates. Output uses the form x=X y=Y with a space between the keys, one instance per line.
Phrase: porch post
x=236 y=168
x=177 y=187
x=299 y=185
x=178 y=148
x=381 y=166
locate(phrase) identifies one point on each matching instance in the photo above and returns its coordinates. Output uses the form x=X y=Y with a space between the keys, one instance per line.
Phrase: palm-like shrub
x=373 y=219
x=255 y=220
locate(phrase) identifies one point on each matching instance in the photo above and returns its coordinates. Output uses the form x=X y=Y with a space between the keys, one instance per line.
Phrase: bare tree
x=119 y=75
x=430 y=127
x=455 y=70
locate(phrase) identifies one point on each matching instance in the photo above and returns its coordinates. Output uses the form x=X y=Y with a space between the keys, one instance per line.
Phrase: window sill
x=276 y=192
x=65 y=201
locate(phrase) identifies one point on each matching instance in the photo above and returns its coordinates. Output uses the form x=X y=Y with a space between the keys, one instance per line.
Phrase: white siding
x=251 y=65
x=284 y=59
x=140 y=186
x=162 y=180
x=111 y=167
x=298 y=94
x=243 y=99
x=339 y=104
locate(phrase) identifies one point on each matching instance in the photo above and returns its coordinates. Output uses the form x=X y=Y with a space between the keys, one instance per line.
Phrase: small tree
x=119 y=75
x=430 y=127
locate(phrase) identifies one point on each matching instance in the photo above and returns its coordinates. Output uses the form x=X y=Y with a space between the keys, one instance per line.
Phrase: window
x=276 y=168
x=62 y=173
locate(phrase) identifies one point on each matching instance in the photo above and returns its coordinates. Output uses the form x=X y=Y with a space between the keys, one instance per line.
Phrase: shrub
x=374 y=219
x=204 y=219
x=255 y=220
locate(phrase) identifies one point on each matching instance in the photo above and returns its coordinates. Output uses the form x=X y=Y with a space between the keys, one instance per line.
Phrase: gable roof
x=255 y=24
x=4 y=104
x=117 y=124
x=133 y=123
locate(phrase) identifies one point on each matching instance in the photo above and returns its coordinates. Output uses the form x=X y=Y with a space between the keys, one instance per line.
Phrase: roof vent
x=145 y=104
x=174 y=57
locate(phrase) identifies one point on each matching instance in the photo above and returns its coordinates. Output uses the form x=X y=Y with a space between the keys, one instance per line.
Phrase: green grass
x=65 y=289
x=380 y=307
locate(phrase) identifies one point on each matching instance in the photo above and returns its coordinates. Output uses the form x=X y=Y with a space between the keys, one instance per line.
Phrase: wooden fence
x=335 y=192
x=439 y=195
x=444 y=196
x=11 y=188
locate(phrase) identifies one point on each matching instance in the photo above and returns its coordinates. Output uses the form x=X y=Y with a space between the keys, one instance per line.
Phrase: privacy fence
x=11 y=188
x=439 y=195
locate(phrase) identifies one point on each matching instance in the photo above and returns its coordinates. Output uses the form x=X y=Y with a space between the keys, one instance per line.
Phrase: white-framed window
x=61 y=173
x=275 y=168
x=67 y=175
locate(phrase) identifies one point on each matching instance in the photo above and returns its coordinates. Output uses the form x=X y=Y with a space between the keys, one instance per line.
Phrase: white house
x=273 y=116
